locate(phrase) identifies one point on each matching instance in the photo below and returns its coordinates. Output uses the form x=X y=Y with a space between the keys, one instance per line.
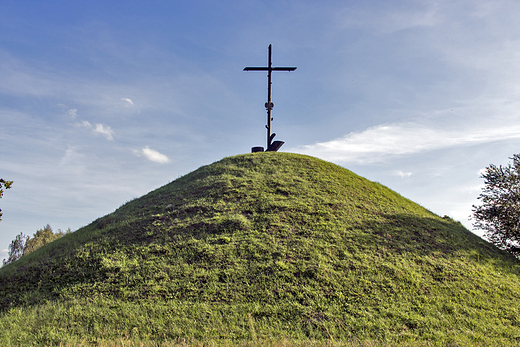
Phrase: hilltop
x=265 y=246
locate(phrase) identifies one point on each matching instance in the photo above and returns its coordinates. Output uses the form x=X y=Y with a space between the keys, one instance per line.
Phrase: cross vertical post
x=269 y=105
x=271 y=146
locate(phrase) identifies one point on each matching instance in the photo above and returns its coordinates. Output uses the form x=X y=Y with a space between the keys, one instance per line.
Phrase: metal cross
x=271 y=146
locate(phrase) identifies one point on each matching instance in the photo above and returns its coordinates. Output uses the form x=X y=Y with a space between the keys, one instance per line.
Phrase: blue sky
x=104 y=101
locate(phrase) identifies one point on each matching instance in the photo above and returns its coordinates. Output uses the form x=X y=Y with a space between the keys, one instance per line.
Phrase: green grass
x=265 y=248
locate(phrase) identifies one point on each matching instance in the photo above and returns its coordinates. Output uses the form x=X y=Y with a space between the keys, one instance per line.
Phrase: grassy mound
x=265 y=246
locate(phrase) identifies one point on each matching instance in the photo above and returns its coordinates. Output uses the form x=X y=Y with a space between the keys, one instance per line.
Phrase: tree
x=42 y=237
x=16 y=248
x=499 y=214
x=4 y=185
x=23 y=245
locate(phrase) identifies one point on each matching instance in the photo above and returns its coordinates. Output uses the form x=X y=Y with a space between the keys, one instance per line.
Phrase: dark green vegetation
x=23 y=245
x=499 y=213
x=4 y=185
x=265 y=246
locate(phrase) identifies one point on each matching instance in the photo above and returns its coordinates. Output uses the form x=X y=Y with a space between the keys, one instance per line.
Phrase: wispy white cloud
x=72 y=162
x=130 y=102
x=152 y=155
x=71 y=154
x=381 y=142
x=389 y=18
x=72 y=113
x=403 y=174
x=105 y=131
x=85 y=124
x=100 y=129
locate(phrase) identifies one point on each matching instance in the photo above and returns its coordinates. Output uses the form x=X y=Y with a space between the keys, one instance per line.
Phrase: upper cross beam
x=252 y=68
x=269 y=104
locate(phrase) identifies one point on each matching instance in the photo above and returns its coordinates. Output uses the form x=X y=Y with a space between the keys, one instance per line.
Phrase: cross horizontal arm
x=267 y=69
x=283 y=68
x=256 y=69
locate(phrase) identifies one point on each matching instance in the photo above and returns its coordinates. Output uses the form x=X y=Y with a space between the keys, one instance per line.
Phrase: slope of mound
x=266 y=244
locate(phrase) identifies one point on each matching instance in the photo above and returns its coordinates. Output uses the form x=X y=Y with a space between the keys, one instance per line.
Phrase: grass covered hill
x=265 y=246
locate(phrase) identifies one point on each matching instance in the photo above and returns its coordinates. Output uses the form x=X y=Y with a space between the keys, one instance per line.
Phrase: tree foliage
x=4 y=185
x=499 y=213
x=23 y=245
x=16 y=248
x=42 y=237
